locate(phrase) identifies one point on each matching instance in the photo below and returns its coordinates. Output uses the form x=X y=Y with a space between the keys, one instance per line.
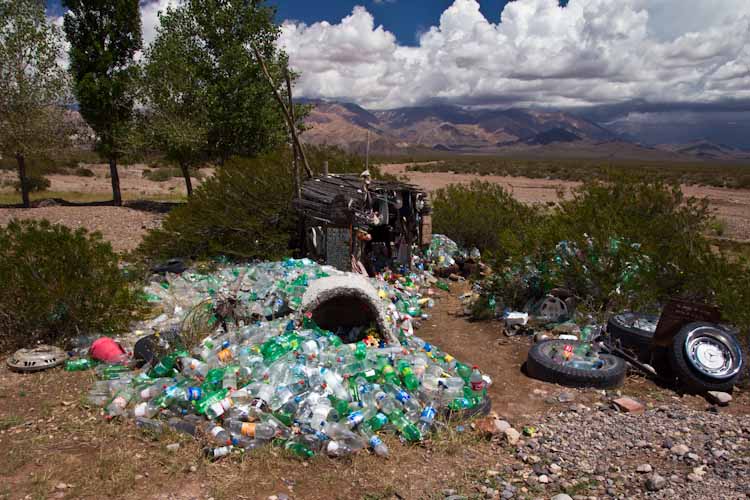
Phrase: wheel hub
x=709 y=356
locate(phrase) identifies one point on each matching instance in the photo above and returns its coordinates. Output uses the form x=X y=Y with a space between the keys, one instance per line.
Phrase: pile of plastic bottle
x=280 y=379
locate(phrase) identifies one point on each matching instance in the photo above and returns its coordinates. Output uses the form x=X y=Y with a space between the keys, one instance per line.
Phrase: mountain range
x=511 y=132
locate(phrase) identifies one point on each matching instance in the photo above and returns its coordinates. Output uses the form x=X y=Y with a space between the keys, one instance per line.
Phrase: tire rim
x=638 y=322
x=712 y=356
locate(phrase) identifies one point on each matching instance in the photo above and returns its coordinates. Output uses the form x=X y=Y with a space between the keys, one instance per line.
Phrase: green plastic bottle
x=410 y=381
x=210 y=398
x=404 y=426
x=80 y=365
x=165 y=367
x=376 y=422
x=299 y=449
x=360 y=351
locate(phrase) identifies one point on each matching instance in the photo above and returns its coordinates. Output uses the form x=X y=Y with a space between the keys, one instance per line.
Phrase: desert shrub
x=244 y=211
x=35 y=183
x=58 y=284
x=84 y=172
x=161 y=174
x=486 y=216
x=625 y=242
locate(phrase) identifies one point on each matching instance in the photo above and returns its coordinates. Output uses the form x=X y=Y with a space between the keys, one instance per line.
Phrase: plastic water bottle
x=476 y=380
x=427 y=418
x=219 y=434
x=377 y=444
x=259 y=431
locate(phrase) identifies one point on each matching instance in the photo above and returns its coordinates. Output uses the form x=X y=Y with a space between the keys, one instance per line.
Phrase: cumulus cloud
x=592 y=52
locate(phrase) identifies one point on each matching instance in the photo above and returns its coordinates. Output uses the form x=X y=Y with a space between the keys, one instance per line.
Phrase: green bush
x=486 y=216
x=36 y=183
x=623 y=242
x=58 y=284
x=161 y=174
x=84 y=172
x=243 y=211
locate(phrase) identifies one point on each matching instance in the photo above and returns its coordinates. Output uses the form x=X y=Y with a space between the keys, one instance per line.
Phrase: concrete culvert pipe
x=347 y=301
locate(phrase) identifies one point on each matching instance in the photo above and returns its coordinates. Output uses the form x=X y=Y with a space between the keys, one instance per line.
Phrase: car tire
x=705 y=357
x=541 y=366
x=629 y=330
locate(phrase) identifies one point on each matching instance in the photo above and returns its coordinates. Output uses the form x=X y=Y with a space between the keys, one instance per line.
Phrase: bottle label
x=428 y=414
x=402 y=396
x=140 y=410
x=217 y=409
x=370 y=373
x=477 y=386
x=194 y=393
x=216 y=431
x=248 y=430
x=120 y=402
x=375 y=441
x=355 y=418
x=224 y=355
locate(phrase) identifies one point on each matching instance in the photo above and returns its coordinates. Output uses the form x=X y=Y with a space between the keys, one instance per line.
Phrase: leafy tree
x=104 y=36
x=33 y=87
x=216 y=40
x=175 y=120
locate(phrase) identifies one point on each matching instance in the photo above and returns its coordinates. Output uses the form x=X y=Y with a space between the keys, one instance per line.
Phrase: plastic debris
x=263 y=372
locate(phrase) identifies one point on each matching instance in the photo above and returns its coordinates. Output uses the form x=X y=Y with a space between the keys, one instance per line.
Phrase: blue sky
x=404 y=18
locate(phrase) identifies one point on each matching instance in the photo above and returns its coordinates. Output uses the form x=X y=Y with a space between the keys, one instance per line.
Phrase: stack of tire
x=702 y=356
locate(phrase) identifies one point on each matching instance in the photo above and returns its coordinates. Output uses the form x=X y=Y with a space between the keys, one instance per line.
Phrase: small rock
x=566 y=397
x=455 y=497
x=680 y=450
x=492 y=473
x=138 y=477
x=193 y=468
x=273 y=497
x=449 y=493
x=173 y=447
x=283 y=496
x=512 y=436
x=561 y=496
x=544 y=479
x=719 y=398
x=645 y=469
x=555 y=469
x=656 y=483
x=61 y=486
x=694 y=478
x=629 y=405
x=486 y=426
x=501 y=426
x=693 y=457
x=700 y=471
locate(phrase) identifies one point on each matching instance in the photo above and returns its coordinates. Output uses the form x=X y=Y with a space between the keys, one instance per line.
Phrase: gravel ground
x=123 y=227
x=597 y=452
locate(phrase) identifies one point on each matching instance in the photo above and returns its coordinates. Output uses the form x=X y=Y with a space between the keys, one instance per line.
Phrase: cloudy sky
x=599 y=54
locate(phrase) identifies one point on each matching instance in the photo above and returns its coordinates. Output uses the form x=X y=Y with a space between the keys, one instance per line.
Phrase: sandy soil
x=123 y=227
x=732 y=206
x=132 y=183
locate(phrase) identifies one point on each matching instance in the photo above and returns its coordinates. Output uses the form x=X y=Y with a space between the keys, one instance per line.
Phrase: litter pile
x=267 y=373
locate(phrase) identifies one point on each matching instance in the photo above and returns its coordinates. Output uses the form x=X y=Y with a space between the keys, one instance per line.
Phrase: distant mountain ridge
x=482 y=131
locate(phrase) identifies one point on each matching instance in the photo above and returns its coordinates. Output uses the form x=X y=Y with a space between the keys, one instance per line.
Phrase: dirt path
x=732 y=206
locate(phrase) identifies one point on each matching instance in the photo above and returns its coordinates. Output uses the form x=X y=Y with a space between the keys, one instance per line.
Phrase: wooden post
x=295 y=158
x=325 y=168
x=285 y=111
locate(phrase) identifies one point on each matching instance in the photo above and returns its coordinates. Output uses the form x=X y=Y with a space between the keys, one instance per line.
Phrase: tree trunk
x=116 y=196
x=188 y=182
x=23 y=180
